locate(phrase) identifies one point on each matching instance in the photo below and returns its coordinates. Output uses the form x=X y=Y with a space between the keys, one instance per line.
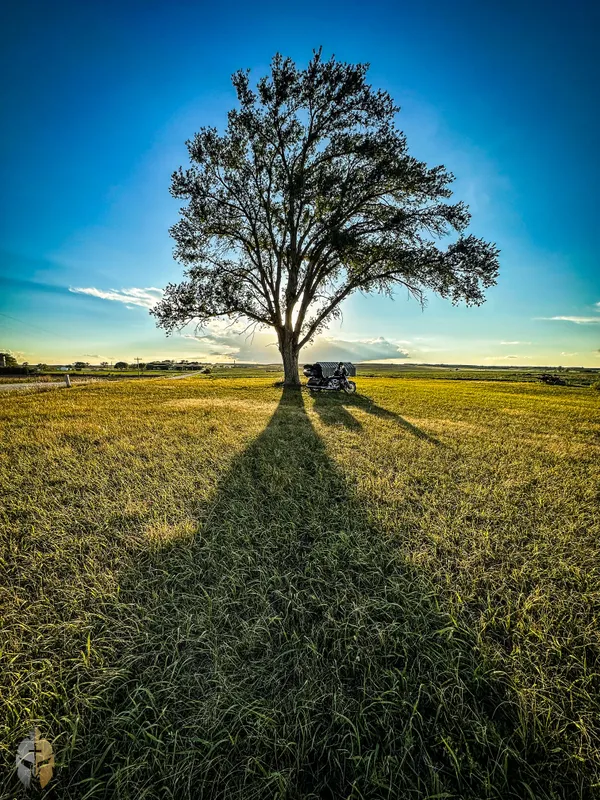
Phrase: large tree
x=309 y=195
x=7 y=359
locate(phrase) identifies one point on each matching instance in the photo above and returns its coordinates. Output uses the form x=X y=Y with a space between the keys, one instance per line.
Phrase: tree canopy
x=8 y=359
x=309 y=195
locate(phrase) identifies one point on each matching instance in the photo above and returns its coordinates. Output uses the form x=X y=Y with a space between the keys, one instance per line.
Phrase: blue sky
x=99 y=98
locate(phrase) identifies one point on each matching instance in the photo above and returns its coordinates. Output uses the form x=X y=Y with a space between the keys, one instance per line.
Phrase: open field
x=53 y=381
x=573 y=376
x=40 y=385
x=213 y=588
x=27 y=387
x=11 y=379
x=83 y=374
x=56 y=378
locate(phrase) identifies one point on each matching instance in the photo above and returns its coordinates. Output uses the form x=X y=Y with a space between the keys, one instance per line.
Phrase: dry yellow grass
x=213 y=589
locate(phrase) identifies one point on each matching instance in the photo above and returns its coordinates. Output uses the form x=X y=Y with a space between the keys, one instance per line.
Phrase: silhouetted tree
x=308 y=196
x=8 y=359
x=121 y=365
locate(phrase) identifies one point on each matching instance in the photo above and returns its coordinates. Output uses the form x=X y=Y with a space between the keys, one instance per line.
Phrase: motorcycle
x=317 y=382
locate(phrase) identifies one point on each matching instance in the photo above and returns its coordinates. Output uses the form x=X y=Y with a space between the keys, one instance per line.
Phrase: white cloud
x=579 y=320
x=18 y=354
x=504 y=358
x=568 y=354
x=515 y=342
x=223 y=340
x=331 y=349
x=145 y=298
x=215 y=345
x=576 y=320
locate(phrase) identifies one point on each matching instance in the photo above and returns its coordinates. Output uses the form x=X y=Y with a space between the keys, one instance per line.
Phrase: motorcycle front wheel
x=350 y=387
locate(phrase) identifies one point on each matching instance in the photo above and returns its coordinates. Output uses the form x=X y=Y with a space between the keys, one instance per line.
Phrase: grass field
x=572 y=376
x=214 y=588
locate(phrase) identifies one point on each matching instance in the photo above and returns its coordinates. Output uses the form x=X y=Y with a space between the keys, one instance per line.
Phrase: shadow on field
x=288 y=651
x=333 y=408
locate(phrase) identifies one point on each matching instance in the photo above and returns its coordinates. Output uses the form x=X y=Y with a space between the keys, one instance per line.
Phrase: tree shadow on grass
x=287 y=650
x=333 y=408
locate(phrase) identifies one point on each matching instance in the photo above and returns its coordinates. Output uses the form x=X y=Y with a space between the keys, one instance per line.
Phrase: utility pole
x=137 y=361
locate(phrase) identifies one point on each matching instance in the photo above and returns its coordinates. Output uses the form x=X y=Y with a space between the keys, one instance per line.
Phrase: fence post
x=68 y=381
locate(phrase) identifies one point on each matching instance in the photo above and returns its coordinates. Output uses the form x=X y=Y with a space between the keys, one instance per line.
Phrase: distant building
x=159 y=365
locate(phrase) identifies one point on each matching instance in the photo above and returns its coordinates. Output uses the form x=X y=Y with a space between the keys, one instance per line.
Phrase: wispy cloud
x=145 y=298
x=515 y=342
x=568 y=354
x=379 y=349
x=223 y=340
x=576 y=320
x=213 y=344
x=18 y=354
x=504 y=358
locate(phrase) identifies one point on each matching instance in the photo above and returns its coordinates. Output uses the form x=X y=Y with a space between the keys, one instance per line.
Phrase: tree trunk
x=288 y=347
